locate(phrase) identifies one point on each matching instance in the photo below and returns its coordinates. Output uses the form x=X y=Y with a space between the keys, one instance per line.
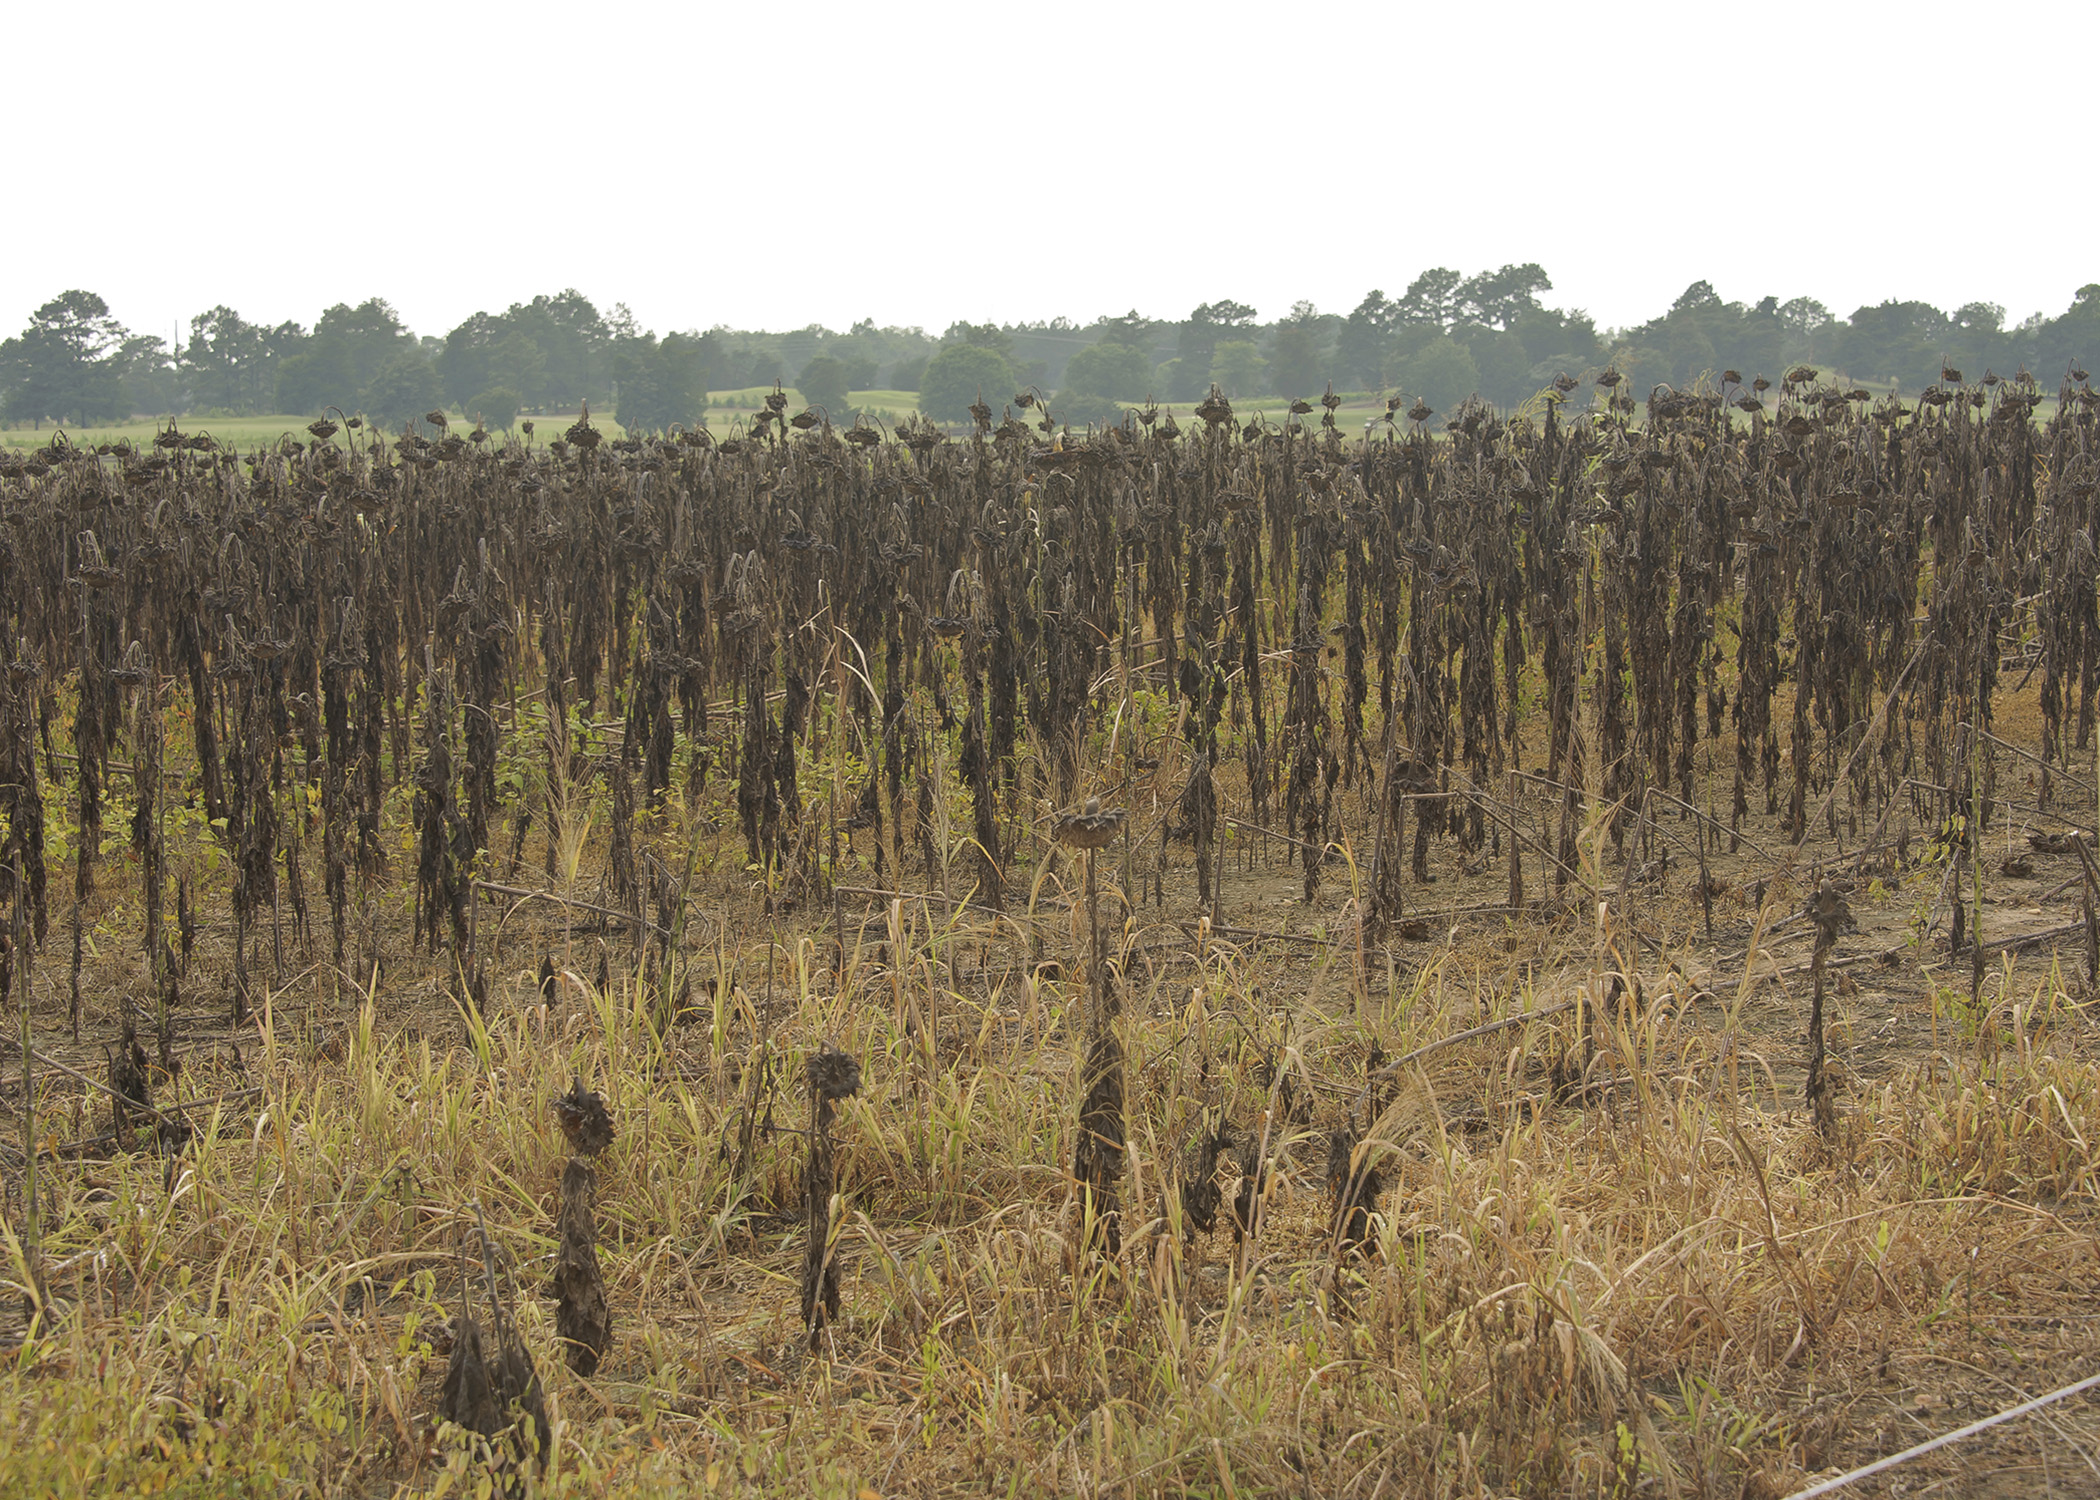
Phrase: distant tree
x=230 y=364
x=575 y=344
x=711 y=359
x=152 y=381
x=1500 y=298
x=870 y=354
x=1294 y=362
x=2053 y=345
x=1200 y=333
x=462 y=362
x=1431 y=300
x=1807 y=324
x=863 y=350
x=1109 y=371
x=1644 y=365
x=1981 y=317
x=496 y=408
x=343 y=358
x=1133 y=329
x=1237 y=365
x=980 y=336
x=823 y=382
x=401 y=390
x=1700 y=294
x=957 y=375
x=1505 y=369
x=1363 y=345
x=683 y=360
x=1759 y=345
x=1900 y=341
x=756 y=367
x=488 y=351
x=1441 y=372
x=312 y=379
x=907 y=373
x=1564 y=341
x=1700 y=337
x=661 y=382
x=67 y=365
x=1689 y=353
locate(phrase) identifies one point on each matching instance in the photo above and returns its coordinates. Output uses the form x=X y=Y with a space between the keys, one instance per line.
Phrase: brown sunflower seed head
x=584 y=1119
x=833 y=1074
x=1089 y=828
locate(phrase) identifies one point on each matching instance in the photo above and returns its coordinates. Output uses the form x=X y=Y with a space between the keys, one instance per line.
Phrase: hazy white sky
x=774 y=165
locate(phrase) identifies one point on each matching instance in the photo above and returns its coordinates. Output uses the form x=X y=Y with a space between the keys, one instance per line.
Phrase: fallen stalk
x=526 y=893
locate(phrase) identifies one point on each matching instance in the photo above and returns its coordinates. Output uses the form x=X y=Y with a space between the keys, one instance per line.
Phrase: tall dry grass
x=1626 y=1292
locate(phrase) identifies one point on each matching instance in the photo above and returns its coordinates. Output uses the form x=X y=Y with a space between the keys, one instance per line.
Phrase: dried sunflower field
x=1545 y=952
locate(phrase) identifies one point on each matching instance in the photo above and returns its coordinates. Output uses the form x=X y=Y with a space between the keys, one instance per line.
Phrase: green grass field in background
x=1358 y=411
x=251 y=432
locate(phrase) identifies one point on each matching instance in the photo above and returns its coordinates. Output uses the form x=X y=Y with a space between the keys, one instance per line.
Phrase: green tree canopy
x=343 y=358
x=1562 y=341
x=496 y=408
x=823 y=382
x=980 y=336
x=1237 y=365
x=1294 y=362
x=1441 y=372
x=488 y=351
x=2053 y=345
x=1431 y=300
x=150 y=377
x=67 y=365
x=1361 y=348
x=957 y=375
x=1108 y=371
x=1900 y=341
x=401 y=390
x=1700 y=294
x=232 y=363
x=1132 y=328
x=1200 y=333
x=662 y=382
x=1500 y=298
x=573 y=342
x=1505 y=369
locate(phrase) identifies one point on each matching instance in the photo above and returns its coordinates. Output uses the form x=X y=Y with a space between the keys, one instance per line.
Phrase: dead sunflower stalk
x=1098 y=1160
x=832 y=1076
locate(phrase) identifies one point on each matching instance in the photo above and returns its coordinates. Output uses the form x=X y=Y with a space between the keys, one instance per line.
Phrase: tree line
x=1445 y=337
